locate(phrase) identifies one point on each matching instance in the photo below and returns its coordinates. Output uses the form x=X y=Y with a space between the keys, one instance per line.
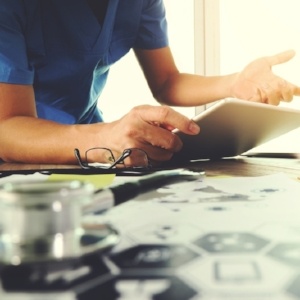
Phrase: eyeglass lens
x=129 y=158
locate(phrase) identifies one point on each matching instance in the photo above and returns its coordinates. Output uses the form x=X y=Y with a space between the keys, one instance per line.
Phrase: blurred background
x=211 y=37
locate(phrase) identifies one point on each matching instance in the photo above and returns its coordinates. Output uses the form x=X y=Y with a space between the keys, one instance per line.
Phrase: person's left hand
x=258 y=83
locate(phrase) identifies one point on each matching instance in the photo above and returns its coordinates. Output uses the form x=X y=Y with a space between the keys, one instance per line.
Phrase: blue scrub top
x=60 y=48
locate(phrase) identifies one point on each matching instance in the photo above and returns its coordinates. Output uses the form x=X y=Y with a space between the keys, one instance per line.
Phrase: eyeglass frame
x=126 y=153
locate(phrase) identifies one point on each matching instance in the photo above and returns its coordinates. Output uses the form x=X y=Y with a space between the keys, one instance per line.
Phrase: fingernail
x=194 y=128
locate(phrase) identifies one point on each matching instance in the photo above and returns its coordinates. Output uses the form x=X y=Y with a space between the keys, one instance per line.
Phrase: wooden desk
x=27 y=167
x=244 y=166
x=240 y=166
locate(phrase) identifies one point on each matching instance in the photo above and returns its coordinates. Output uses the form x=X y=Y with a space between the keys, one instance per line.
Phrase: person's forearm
x=193 y=90
x=32 y=140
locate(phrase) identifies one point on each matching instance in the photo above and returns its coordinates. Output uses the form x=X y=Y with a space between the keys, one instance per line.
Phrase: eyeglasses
x=103 y=158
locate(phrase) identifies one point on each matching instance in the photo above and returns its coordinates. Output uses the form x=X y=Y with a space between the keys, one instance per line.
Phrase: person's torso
x=71 y=52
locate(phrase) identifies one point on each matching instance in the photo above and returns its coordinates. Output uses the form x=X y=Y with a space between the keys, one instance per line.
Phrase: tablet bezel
x=232 y=126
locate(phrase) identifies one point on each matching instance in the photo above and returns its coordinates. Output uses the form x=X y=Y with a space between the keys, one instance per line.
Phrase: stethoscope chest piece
x=41 y=221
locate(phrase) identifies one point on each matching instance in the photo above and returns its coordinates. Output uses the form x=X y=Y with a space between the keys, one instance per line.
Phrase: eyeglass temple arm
x=81 y=163
x=124 y=155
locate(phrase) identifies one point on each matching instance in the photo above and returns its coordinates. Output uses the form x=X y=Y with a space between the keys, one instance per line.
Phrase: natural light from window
x=126 y=86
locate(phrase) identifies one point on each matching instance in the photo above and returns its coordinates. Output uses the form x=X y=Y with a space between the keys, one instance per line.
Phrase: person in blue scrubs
x=55 y=57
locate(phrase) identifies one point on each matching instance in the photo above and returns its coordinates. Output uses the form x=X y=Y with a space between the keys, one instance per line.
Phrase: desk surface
x=222 y=237
x=240 y=166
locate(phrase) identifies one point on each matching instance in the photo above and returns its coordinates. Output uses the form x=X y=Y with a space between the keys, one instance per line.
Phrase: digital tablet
x=231 y=127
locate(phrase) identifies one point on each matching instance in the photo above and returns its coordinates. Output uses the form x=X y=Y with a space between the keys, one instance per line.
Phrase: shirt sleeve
x=14 y=66
x=153 y=26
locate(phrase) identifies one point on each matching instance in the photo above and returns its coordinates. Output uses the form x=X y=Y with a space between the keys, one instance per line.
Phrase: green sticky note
x=98 y=180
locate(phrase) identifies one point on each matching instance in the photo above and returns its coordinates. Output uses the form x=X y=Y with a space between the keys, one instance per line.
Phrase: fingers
x=257 y=96
x=287 y=91
x=280 y=57
x=282 y=90
x=151 y=130
x=157 y=154
x=270 y=96
x=258 y=83
x=296 y=90
x=277 y=92
x=287 y=95
x=168 y=118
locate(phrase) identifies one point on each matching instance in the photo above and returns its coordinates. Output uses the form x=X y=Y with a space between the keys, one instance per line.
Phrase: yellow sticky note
x=98 y=180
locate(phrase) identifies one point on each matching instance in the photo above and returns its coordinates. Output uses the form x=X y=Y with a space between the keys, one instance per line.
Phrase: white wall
x=126 y=86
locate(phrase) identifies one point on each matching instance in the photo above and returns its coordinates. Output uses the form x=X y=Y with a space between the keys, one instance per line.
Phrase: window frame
x=207 y=40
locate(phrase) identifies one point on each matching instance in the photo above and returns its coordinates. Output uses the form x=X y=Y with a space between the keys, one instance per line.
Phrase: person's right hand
x=149 y=128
